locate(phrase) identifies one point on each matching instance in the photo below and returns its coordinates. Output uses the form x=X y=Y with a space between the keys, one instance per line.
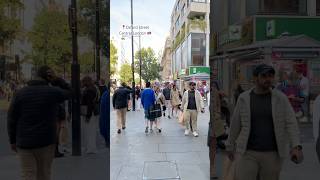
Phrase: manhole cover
x=160 y=170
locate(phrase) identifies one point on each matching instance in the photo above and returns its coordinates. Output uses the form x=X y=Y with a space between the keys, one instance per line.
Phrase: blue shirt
x=147 y=98
x=105 y=116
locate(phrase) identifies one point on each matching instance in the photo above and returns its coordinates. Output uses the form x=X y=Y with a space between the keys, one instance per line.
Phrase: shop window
x=318 y=7
x=283 y=6
x=197 y=60
x=198 y=49
x=252 y=7
x=200 y=1
x=177 y=23
x=183 y=9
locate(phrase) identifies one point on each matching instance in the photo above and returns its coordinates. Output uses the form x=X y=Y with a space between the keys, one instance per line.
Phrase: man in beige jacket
x=192 y=103
x=262 y=125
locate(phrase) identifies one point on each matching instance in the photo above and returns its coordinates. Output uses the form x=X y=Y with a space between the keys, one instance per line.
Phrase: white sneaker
x=195 y=134
x=304 y=119
x=186 y=132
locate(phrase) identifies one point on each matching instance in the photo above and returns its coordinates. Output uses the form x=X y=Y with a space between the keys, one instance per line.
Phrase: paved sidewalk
x=85 y=167
x=133 y=148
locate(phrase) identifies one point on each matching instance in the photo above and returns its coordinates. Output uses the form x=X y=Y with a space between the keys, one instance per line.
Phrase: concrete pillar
x=243 y=9
x=207 y=34
x=225 y=15
x=312 y=7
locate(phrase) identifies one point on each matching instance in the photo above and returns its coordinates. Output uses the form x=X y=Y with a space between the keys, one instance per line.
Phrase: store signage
x=199 y=69
x=271 y=28
x=232 y=33
x=235 y=32
x=182 y=72
x=294 y=55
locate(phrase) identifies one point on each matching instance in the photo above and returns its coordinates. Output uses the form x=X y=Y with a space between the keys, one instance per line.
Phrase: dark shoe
x=164 y=114
x=119 y=131
x=124 y=128
x=146 y=131
x=58 y=155
x=169 y=117
x=214 y=177
x=159 y=130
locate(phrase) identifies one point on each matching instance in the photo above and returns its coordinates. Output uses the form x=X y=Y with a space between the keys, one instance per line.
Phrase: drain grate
x=160 y=170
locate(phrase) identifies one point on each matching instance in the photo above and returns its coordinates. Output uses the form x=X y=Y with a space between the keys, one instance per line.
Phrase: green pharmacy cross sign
x=199 y=69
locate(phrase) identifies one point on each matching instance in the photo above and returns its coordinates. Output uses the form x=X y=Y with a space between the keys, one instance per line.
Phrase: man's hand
x=296 y=155
x=14 y=147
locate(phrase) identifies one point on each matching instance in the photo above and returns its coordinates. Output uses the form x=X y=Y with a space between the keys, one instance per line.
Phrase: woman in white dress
x=160 y=99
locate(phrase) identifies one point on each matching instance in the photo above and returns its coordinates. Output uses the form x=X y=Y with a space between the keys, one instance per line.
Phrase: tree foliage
x=10 y=24
x=113 y=58
x=150 y=67
x=87 y=22
x=86 y=61
x=125 y=73
x=51 y=39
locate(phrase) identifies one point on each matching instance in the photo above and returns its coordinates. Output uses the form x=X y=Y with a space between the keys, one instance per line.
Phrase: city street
x=85 y=167
x=131 y=149
x=133 y=152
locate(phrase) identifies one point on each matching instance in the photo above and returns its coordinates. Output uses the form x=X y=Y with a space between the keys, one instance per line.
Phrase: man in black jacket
x=32 y=124
x=120 y=104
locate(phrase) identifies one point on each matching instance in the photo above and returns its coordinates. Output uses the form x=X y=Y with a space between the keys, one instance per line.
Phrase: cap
x=262 y=69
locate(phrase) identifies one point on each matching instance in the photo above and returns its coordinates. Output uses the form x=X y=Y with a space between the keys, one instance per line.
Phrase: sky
x=155 y=15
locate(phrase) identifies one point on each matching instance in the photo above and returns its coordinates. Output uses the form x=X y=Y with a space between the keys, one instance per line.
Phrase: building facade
x=190 y=33
x=284 y=33
x=166 y=61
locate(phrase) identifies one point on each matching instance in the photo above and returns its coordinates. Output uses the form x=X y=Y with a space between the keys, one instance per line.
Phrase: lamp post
x=75 y=80
x=132 y=63
x=140 y=60
x=98 y=40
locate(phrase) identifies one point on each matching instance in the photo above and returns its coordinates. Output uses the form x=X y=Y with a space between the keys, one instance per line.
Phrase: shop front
x=286 y=54
x=199 y=74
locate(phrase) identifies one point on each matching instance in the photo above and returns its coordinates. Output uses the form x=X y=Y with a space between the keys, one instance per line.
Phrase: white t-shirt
x=304 y=84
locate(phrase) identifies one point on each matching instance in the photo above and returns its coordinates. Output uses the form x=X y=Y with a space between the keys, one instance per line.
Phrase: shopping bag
x=229 y=168
x=181 y=118
x=155 y=111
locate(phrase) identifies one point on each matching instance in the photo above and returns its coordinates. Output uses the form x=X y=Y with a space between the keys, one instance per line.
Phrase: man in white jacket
x=192 y=103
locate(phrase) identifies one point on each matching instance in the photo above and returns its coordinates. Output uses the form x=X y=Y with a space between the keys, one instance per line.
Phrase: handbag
x=164 y=108
x=155 y=111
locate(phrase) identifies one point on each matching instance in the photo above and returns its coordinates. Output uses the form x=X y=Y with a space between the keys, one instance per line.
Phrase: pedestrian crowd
x=39 y=115
x=160 y=101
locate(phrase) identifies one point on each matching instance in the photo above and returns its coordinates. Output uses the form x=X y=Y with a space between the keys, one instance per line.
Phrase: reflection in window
x=183 y=9
x=284 y=6
x=184 y=54
x=178 y=59
x=201 y=1
x=198 y=49
x=318 y=7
